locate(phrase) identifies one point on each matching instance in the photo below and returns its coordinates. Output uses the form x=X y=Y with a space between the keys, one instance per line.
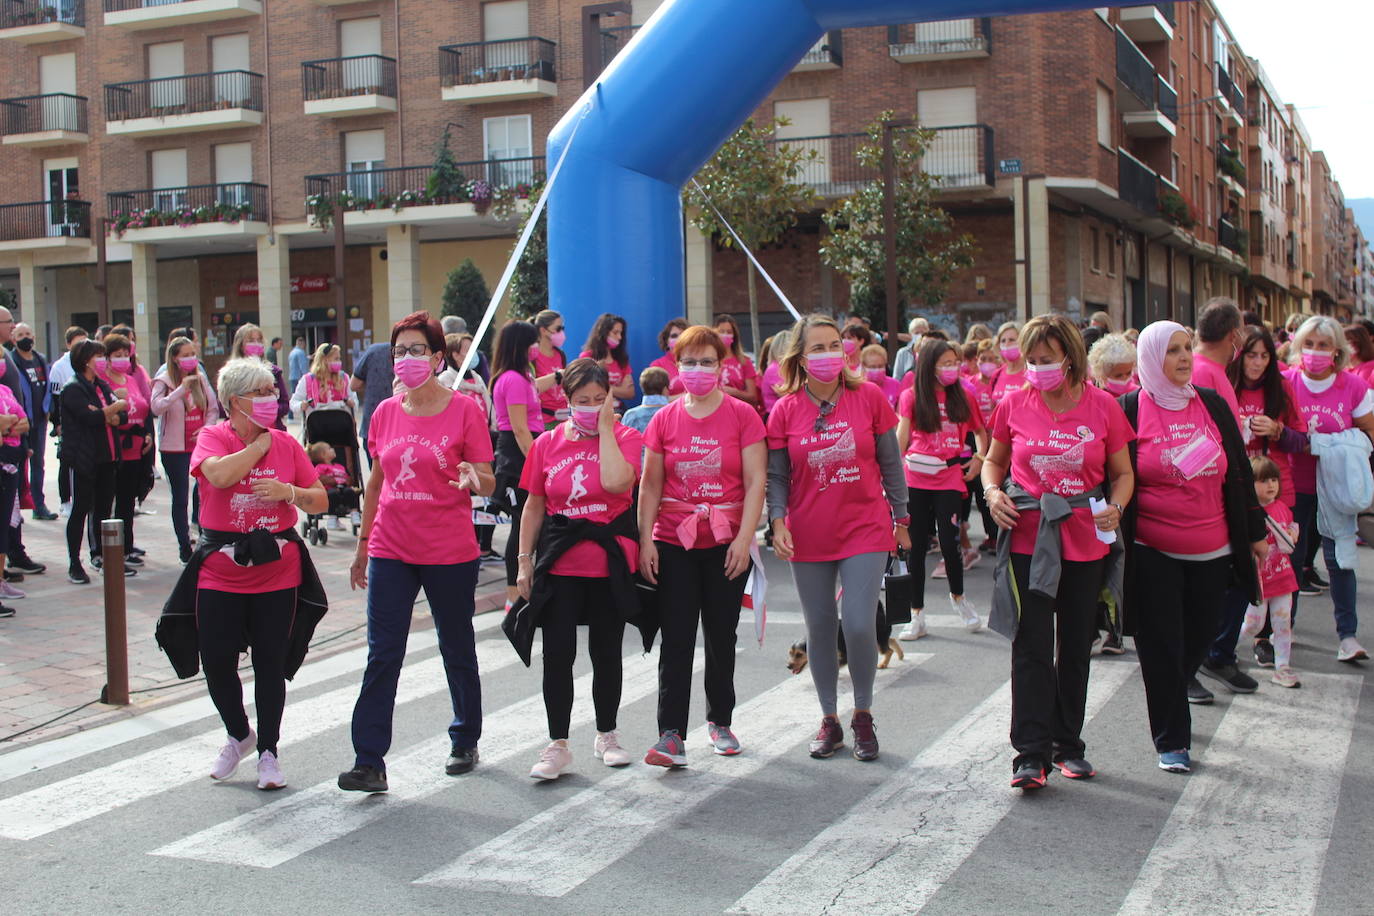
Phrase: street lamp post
x=890 y=232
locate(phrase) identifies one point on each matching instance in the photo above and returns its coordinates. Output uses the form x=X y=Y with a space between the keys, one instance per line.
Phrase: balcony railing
x=949 y=38
x=613 y=39
x=1136 y=184
x=177 y=95
x=1227 y=88
x=339 y=77
x=958 y=157
x=496 y=61
x=40 y=113
x=52 y=219
x=230 y=202
x=397 y=188
x=1167 y=11
x=1228 y=236
x=1166 y=99
x=829 y=52
x=1134 y=70
x=16 y=14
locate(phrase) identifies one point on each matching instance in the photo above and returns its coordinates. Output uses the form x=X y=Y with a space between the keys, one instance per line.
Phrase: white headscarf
x=1150 y=350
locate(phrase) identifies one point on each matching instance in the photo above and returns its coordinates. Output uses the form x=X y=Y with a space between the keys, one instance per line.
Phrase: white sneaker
x=269 y=772
x=916 y=629
x=1351 y=651
x=66 y=509
x=972 y=622
x=940 y=572
x=608 y=750
x=355 y=517
x=553 y=760
x=1285 y=677
x=335 y=523
x=230 y=755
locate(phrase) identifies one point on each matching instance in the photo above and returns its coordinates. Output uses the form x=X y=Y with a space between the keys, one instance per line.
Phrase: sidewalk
x=52 y=652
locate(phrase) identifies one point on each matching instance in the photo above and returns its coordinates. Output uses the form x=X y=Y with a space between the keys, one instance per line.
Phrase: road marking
x=1262 y=802
x=934 y=814
x=281 y=831
x=556 y=851
x=794 y=618
x=95 y=792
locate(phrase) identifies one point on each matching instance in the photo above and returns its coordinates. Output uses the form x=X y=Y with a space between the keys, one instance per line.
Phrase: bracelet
x=1117 y=507
x=992 y=486
x=524 y=556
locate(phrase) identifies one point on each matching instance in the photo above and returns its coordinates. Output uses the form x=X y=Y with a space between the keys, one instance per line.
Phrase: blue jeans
x=1342 y=592
x=1223 y=650
x=177 y=465
x=392 y=586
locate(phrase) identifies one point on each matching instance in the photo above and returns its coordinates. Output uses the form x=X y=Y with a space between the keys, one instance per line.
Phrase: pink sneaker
x=940 y=572
x=9 y=591
x=269 y=772
x=230 y=755
x=553 y=760
x=971 y=558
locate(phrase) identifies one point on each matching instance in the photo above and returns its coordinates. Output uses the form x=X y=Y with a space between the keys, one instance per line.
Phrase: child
x=343 y=498
x=654 y=382
x=874 y=359
x=1276 y=575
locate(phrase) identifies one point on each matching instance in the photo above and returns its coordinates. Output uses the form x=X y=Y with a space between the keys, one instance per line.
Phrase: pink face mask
x=613 y=343
x=824 y=367
x=586 y=419
x=1200 y=455
x=413 y=371
x=947 y=375
x=698 y=380
x=876 y=375
x=728 y=340
x=1011 y=354
x=672 y=343
x=851 y=346
x=1045 y=378
x=188 y=363
x=264 y=412
x=1118 y=387
x=102 y=365
x=254 y=349
x=1315 y=362
x=558 y=338
x=120 y=364
x=988 y=369
x=335 y=365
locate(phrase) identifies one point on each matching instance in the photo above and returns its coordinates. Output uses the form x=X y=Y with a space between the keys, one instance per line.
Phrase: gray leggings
x=861 y=577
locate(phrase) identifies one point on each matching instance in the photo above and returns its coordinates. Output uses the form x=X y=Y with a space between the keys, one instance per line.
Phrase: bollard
x=116 y=691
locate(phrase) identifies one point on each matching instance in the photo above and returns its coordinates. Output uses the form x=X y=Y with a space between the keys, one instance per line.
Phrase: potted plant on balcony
x=446 y=181
x=1177 y=209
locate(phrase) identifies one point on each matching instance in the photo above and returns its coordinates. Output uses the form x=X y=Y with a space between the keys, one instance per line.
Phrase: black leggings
x=224 y=619
x=510 y=463
x=92 y=497
x=939 y=508
x=127 y=477
x=580 y=598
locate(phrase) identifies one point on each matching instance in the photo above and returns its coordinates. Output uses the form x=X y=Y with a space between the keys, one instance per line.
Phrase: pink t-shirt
x=736 y=373
x=1176 y=514
x=837 y=507
x=514 y=388
x=421 y=518
x=890 y=387
x=1365 y=371
x=1277 y=576
x=1329 y=411
x=552 y=400
x=331 y=391
x=948 y=443
x=237 y=509
x=616 y=372
x=139 y=415
x=703 y=462
x=1210 y=374
x=337 y=476
x=195 y=421
x=567 y=473
x=1006 y=382
x=982 y=393
x=1251 y=401
x=1064 y=453
x=772 y=377
x=10 y=407
x=669 y=365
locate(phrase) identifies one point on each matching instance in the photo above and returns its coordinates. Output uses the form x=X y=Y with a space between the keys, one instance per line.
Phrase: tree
x=929 y=252
x=529 y=288
x=466 y=294
x=445 y=181
x=756 y=185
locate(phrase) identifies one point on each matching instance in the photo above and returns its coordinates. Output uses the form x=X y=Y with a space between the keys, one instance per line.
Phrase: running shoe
x=1264 y=653
x=231 y=754
x=669 y=752
x=940 y=571
x=972 y=622
x=77 y=575
x=6 y=611
x=1308 y=590
x=1199 y=695
x=1236 y=681
x=1113 y=645
x=553 y=760
x=865 y=737
x=723 y=740
x=1175 y=762
x=916 y=629
x=828 y=740
x=460 y=760
x=22 y=563
x=363 y=779
x=270 y=777
x=972 y=558
x=1031 y=774
x=607 y=749
x=9 y=591
x=1314 y=578
x=1285 y=677
x=1351 y=651
x=1076 y=768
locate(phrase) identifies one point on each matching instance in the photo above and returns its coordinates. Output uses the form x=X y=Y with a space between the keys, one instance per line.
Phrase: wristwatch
x=558 y=377
x=903 y=522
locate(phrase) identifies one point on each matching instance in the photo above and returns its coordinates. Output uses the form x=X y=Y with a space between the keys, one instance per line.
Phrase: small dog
x=797 y=658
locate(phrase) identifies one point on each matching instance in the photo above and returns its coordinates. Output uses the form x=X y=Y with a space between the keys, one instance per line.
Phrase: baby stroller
x=335 y=427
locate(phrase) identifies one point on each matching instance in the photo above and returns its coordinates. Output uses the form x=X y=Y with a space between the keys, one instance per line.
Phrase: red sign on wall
x=310 y=283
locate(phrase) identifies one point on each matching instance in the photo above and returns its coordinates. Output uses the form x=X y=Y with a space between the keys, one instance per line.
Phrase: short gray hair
x=1323 y=326
x=917 y=326
x=452 y=324
x=1111 y=352
x=238 y=377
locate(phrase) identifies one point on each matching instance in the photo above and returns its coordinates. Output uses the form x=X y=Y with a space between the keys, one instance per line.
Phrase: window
x=952 y=157
x=233 y=170
x=61 y=183
x=1096 y=241
x=506 y=139
x=229 y=61
x=505 y=19
x=57 y=74
x=166 y=60
x=168 y=168
x=361 y=38
x=1104 y=116
x=809 y=121
x=364 y=153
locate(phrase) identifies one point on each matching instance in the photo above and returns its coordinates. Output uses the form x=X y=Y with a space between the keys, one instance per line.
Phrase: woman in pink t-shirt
x=1012 y=375
x=1063 y=440
x=738 y=376
x=1112 y=361
x=183 y=401
x=250 y=565
x=431 y=453
x=699 y=502
x=1361 y=352
x=1194 y=529
x=771 y=377
x=326 y=386
x=873 y=360
x=935 y=419
x=133 y=438
x=837 y=502
x=667 y=342
x=547 y=357
x=606 y=344
x=583 y=473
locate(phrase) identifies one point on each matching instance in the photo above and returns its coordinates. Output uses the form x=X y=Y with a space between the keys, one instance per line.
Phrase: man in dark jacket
x=33 y=367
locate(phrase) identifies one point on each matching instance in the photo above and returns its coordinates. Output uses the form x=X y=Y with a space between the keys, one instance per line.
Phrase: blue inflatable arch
x=661 y=109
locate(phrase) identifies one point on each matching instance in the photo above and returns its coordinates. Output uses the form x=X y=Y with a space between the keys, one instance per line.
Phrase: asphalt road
x=1276 y=817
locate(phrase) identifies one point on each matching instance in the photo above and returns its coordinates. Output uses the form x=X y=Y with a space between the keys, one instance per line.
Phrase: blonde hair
x=1324 y=326
x=874 y=350
x=316 y=451
x=319 y=363
x=792 y=364
x=1006 y=326
x=1042 y=329
x=241 y=337
x=175 y=375
x=978 y=333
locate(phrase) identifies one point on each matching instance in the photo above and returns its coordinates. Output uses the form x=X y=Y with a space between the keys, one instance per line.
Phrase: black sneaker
x=1199 y=695
x=1308 y=590
x=12 y=576
x=1264 y=653
x=131 y=559
x=44 y=514
x=1236 y=681
x=460 y=760
x=1314 y=578
x=1076 y=768
x=77 y=576
x=6 y=611
x=136 y=551
x=363 y=779
x=1031 y=774
x=24 y=564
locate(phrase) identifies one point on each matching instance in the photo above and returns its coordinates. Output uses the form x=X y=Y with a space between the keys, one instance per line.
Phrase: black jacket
x=176 y=628
x=559 y=534
x=1245 y=520
x=84 y=442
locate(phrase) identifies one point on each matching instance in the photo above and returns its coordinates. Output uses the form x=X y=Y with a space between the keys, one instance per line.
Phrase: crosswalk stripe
x=86 y=795
x=934 y=814
x=934 y=621
x=1263 y=802
x=554 y=852
x=281 y=831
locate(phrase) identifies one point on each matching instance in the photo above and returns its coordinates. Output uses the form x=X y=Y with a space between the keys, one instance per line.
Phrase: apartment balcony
x=45 y=225
x=498 y=71
x=33 y=22
x=826 y=54
x=959 y=159
x=1137 y=184
x=1159 y=119
x=345 y=87
x=1231 y=171
x=950 y=39
x=613 y=40
x=1228 y=236
x=162 y=14
x=338 y=2
x=184 y=104
x=35 y=121
x=1231 y=98
x=1149 y=22
x=482 y=193
x=207 y=212
x=1135 y=74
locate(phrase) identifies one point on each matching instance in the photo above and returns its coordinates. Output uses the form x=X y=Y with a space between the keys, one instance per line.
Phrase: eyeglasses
x=418 y=349
x=827 y=408
x=698 y=363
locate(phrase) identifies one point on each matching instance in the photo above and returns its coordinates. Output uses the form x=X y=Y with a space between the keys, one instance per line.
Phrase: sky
x=1317 y=55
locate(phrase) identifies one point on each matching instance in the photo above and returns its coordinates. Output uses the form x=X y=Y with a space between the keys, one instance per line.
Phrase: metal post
x=116 y=691
x=890 y=238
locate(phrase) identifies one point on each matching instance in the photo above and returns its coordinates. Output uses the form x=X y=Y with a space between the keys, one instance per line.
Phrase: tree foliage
x=466 y=294
x=446 y=180
x=529 y=288
x=929 y=251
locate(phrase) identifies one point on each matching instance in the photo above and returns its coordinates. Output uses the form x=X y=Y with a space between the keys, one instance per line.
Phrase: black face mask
x=24 y=343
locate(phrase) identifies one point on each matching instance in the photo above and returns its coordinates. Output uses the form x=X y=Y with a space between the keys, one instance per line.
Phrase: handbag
x=897 y=590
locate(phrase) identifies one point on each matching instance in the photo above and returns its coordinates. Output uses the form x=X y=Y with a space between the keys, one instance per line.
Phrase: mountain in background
x=1364 y=214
